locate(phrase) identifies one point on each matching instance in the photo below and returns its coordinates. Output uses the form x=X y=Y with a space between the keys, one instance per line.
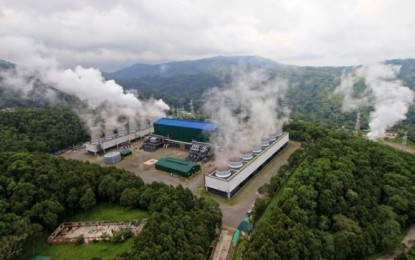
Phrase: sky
x=110 y=34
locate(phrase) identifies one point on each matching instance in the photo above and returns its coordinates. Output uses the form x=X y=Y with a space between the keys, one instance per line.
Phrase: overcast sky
x=110 y=34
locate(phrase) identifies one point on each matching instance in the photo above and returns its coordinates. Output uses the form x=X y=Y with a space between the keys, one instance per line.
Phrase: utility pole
x=357 y=125
x=404 y=140
x=192 y=109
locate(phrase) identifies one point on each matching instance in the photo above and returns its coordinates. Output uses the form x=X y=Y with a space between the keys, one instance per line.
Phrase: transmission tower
x=357 y=125
x=192 y=108
x=404 y=140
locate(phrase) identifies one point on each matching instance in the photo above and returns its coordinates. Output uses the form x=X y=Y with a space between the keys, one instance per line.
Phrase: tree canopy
x=344 y=198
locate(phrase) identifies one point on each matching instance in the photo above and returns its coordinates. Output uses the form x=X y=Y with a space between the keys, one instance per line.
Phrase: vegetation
x=106 y=211
x=347 y=199
x=43 y=130
x=103 y=251
x=37 y=191
x=310 y=95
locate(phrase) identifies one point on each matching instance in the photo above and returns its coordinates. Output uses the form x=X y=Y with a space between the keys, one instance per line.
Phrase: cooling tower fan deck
x=264 y=142
x=223 y=171
x=246 y=154
x=257 y=149
x=235 y=162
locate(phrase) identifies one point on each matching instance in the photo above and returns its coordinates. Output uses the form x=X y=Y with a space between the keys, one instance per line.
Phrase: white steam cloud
x=247 y=110
x=389 y=97
x=105 y=105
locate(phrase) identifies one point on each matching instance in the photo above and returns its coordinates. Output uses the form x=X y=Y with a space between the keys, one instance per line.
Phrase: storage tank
x=112 y=157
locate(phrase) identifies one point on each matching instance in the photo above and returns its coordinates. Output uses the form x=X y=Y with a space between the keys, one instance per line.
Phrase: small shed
x=245 y=227
x=39 y=257
x=125 y=153
x=178 y=167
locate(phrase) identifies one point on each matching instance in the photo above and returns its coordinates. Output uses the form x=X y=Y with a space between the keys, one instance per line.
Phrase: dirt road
x=408 y=241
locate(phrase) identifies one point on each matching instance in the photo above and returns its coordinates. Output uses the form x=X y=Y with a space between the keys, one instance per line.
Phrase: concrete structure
x=68 y=232
x=183 y=130
x=229 y=184
x=103 y=144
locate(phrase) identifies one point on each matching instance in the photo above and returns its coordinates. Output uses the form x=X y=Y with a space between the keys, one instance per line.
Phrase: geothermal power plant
x=194 y=139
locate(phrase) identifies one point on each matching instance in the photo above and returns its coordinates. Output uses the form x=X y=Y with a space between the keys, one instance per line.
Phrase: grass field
x=239 y=248
x=104 y=250
x=109 y=212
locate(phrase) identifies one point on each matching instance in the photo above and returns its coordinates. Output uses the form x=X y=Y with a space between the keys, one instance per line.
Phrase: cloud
x=102 y=104
x=110 y=34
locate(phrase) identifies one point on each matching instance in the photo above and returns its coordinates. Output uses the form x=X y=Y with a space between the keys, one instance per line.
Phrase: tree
x=87 y=200
x=130 y=197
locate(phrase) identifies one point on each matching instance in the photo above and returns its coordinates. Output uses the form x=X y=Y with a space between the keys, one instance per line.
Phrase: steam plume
x=104 y=104
x=389 y=97
x=247 y=109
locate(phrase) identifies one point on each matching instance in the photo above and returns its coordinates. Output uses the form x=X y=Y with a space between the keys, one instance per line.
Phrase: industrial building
x=123 y=137
x=228 y=179
x=183 y=130
x=177 y=166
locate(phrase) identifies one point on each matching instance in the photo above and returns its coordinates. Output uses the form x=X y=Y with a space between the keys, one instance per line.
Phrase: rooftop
x=186 y=123
x=176 y=164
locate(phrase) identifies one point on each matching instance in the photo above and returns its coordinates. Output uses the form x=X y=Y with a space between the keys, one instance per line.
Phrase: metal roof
x=245 y=226
x=176 y=164
x=186 y=123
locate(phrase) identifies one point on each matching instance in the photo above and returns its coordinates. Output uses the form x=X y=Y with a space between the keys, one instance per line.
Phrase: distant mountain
x=214 y=65
x=310 y=94
x=5 y=64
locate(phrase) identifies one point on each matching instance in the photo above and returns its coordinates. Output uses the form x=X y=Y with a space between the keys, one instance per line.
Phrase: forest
x=40 y=129
x=340 y=197
x=38 y=191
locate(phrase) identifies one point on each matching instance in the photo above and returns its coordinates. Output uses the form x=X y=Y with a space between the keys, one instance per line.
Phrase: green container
x=177 y=166
x=125 y=153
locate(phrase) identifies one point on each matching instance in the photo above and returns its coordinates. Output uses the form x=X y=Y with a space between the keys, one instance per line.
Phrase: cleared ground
x=136 y=164
x=233 y=210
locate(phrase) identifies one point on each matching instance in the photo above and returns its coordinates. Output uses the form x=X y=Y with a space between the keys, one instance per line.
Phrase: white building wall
x=119 y=140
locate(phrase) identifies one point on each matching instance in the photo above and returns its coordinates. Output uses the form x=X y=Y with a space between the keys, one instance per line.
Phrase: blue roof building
x=184 y=130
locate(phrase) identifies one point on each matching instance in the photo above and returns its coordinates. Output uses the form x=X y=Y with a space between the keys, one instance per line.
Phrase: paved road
x=235 y=210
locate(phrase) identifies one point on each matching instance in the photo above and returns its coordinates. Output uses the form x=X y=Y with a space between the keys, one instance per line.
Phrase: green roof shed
x=177 y=166
x=39 y=257
x=245 y=227
x=126 y=152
